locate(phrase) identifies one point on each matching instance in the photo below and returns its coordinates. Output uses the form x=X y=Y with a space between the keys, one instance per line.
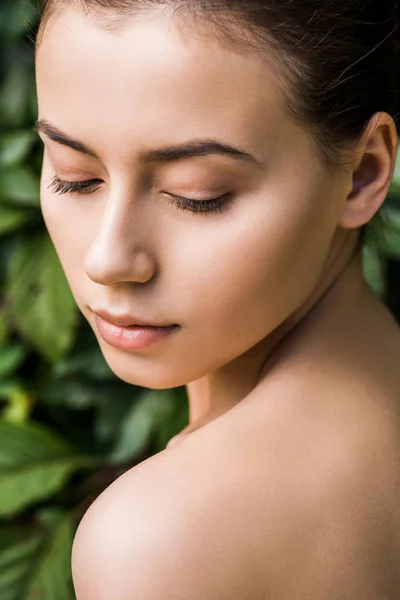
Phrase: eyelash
x=220 y=204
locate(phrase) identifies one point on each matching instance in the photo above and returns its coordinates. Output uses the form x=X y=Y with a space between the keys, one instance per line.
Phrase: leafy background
x=68 y=426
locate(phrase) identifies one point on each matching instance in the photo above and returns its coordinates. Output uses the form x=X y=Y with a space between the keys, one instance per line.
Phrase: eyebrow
x=189 y=149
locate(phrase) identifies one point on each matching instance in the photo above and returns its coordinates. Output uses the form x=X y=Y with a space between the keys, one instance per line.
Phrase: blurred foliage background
x=68 y=426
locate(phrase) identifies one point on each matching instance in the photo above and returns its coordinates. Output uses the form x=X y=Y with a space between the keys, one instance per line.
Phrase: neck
x=217 y=392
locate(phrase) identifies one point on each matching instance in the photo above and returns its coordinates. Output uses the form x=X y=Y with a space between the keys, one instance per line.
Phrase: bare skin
x=343 y=278
x=290 y=361
x=301 y=479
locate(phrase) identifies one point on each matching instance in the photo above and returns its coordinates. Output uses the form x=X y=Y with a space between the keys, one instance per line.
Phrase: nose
x=120 y=250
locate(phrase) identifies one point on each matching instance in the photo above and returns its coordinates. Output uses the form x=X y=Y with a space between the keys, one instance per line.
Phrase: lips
x=125 y=320
x=133 y=337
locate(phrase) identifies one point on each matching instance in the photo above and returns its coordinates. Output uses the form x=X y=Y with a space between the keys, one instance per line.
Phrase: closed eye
x=219 y=204
x=58 y=186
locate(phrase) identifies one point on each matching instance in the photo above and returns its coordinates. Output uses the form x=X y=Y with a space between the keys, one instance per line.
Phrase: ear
x=373 y=171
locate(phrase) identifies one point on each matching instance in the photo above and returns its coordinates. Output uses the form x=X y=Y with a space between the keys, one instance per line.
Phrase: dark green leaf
x=34 y=465
x=52 y=578
x=147 y=413
x=19 y=547
x=19 y=185
x=15 y=16
x=10 y=359
x=15 y=95
x=391 y=238
x=35 y=561
x=40 y=300
x=395 y=185
x=12 y=218
x=90 y=363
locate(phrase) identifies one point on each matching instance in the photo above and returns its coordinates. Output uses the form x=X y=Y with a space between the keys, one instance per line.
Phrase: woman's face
x=227 y=277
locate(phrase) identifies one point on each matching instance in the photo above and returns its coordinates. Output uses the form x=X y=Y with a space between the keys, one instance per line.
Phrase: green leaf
x=19 y=407
x=90 y=363
x=110 y=415
x=178 y=420
x=12 y=218
x=74 y=393
x=152 y=408
x=39 y=298
x=19 y=185
x=10 y=360
x=19 y=547
x=9 y=388
x=15 y=16
x=373 y=269
x=16 y=94
x=395 y=184
x=34 y=465
x=52 y=578
x=3 y=328
x=35 y=561
x=15 y=147
x=79 y=393
x=391 y=234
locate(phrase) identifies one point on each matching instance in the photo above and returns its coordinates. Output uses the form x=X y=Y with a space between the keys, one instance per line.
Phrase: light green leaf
x=34 y=465
x=15 y=147
x=39 y=298
x=8 y=388
x=19 y=407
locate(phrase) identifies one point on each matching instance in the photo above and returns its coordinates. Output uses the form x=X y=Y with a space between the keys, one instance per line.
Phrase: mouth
x=129 y=320
x=137 y=334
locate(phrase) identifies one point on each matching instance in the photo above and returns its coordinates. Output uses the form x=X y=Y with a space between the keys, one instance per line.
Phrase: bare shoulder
x=334 y=450
x=162 y=530
x=317 y=461
x=300 y=502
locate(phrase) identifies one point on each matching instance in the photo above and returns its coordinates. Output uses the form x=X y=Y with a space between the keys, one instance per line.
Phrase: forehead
x=149 y=79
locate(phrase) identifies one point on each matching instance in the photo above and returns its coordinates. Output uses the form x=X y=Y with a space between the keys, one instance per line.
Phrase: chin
x=145 y=371
x=162 y=382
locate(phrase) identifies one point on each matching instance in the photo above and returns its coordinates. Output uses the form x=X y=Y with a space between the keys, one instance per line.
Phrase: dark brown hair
x=338 y=59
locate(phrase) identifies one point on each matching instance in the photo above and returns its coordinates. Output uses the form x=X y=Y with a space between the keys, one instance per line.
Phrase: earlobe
x=373 y=172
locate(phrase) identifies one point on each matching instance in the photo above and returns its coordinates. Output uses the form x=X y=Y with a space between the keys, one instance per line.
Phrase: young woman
x=209 y=169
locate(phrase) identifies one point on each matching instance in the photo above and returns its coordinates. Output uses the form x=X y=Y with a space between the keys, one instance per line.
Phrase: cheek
x=70 y=236
x=69 y=222
x=255 y=269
